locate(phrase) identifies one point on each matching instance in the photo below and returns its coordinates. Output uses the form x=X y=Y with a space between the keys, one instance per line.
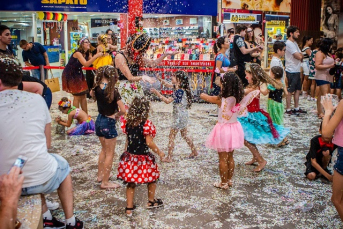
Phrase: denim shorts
x=322 y=82
x=48 y=97
x=105 y=127
x=54 y=183
x=339 y=163
x=337 y=84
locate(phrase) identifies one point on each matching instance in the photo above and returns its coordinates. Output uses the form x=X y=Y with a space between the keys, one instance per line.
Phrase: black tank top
x=134 y=68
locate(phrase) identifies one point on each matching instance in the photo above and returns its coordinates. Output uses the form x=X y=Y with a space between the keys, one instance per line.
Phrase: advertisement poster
x=53 y=53
x=74 y=38
x=330 y=19
x=264 y=5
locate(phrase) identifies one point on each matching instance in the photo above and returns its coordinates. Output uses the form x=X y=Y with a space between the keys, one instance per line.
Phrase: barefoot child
x=110 y=108
x=85 y=122
x=137 y=164
x=182 y=100
x=319 y=157
x=227 y=135
x=258 y=127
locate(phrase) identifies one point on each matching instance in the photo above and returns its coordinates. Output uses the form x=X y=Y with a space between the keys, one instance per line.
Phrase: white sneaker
x=52 y=205
x=308 y=98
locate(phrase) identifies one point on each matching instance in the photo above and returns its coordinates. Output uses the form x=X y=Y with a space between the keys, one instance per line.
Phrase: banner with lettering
x=263 y=5
x=67 y=6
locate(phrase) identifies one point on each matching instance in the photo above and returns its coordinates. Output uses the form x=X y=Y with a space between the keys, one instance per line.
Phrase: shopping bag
x=53 y=84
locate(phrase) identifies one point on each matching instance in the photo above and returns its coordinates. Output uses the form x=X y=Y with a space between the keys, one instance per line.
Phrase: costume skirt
x=139 y=169
x=87 y=127
x=129 y=90
x=275 y=110
x=259 y=129
x=103 y=61
x=74 y=82
x=226 y=137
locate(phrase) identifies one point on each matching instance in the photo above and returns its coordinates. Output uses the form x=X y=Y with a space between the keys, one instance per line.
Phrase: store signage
x=239 y=18
x=99 y=22
x=65 y=2
x=53 y=53
x=276 y=23
x=188 y=63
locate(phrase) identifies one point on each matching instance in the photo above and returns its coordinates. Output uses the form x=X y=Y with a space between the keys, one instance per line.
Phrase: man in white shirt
x=293 y=59
x=26 y=131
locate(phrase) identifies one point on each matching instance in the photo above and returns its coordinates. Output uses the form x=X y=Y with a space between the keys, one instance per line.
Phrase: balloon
x=48 y=16
x=55 y=16
x=40 y=15
x=44 y=18
x=65 y=17
x=60 y=16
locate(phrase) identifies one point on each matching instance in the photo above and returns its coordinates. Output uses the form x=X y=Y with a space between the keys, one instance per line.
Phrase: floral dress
x=129 y=90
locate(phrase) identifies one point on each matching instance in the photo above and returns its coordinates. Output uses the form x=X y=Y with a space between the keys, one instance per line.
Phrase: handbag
x=53 y=83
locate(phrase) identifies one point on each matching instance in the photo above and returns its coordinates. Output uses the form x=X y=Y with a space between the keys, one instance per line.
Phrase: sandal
x=130 y=209
x=155 y=204
x=221 y=185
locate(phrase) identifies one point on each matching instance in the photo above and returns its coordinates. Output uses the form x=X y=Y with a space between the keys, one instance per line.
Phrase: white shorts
x=306 y=68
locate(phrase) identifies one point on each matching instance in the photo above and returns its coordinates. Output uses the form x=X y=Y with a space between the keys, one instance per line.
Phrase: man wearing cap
x=34 y=54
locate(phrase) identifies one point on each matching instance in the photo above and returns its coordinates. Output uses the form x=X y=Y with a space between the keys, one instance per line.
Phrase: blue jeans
x=36 y=73
x=48 y=97
x=54 y=183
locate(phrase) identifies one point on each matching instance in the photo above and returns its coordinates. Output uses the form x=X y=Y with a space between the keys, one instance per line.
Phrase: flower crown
x=64 y=104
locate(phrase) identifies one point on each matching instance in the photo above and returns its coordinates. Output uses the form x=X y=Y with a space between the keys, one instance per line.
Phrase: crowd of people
x=237 y=85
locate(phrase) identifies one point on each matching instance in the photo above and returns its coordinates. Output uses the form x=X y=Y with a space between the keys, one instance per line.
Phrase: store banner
x=67 y=6
x=100 y=22
x=264 y=5
x=187 y=7
x=74 y=38
x=188 y=63
x=330 y=22
x=53 y=53
x=242 y=18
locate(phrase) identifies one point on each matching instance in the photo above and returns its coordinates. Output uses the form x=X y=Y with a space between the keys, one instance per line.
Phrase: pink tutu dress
x=227 y=135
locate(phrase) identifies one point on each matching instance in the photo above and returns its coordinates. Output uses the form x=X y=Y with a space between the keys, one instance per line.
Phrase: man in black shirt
x=242 y=52
x=5 y=40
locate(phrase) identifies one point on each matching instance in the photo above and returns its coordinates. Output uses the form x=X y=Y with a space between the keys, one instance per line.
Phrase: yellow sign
x=276 y=23
x=236 y=18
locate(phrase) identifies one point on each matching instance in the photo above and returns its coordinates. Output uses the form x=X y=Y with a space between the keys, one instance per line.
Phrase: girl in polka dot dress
x=137 y=164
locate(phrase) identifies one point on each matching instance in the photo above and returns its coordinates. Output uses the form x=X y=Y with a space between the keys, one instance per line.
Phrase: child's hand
x=58 y=119
x=148 y=79
x=326 y=101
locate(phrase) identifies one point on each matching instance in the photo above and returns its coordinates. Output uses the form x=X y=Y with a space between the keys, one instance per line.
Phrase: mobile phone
x=20 y=161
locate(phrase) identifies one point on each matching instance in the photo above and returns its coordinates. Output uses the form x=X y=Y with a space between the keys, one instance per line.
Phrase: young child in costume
x=110 y=108
x=182 y=101
x=137 y=164
x=105 y=48
x=275 y=107
x=258 y=126
x=85 y=122
x=319 y=157
x=227 y=135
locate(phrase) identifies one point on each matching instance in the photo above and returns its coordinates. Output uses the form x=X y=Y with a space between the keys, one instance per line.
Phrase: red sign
x=189 y=63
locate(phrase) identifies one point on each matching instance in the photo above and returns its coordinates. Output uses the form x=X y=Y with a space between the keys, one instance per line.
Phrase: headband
x=64 y=104
x=83 y=39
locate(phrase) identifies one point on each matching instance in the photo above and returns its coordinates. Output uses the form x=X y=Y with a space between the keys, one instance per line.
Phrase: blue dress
x=258 y=127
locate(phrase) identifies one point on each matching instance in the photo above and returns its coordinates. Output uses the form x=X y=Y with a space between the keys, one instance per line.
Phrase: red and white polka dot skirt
x=139 y=169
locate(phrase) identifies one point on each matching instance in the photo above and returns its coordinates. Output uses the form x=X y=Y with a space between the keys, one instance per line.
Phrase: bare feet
x=100 y=177
x=260 y=166
x=109 y=185
x=230 y=183
x=222 y=185
x=167 y=159
x=252 y=162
